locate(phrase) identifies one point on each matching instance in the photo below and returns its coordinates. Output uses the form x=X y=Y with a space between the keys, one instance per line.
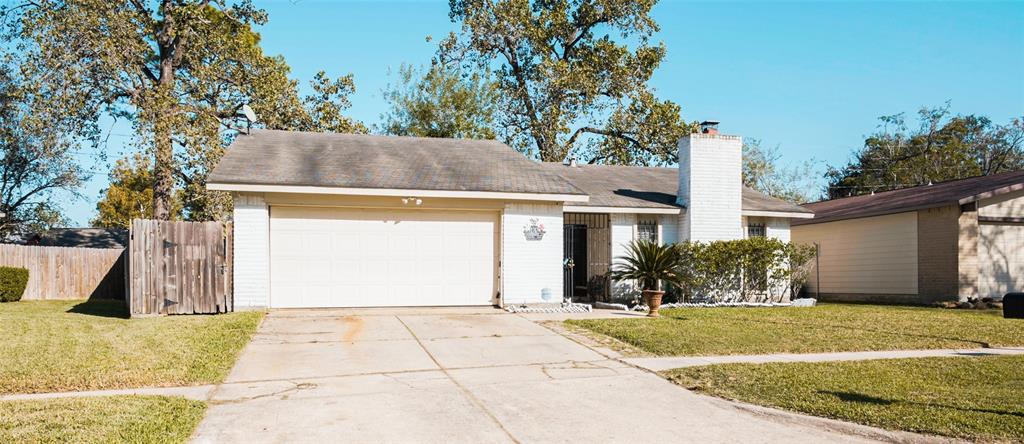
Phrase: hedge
x=757 y=269
x=13 y=281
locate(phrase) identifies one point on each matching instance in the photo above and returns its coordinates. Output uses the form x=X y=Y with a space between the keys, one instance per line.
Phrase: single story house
x=346 y=220
x=947 y=241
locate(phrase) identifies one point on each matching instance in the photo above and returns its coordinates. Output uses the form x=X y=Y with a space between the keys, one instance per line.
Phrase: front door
x=575 y=282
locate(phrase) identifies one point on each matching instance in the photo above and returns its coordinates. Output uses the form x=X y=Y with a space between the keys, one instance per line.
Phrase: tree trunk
x=163 y=157
x=163 y=177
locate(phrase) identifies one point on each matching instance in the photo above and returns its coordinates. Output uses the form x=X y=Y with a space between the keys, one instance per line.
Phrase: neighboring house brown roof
x=959 y=192
x=294 y=158
x=647 y=187
x=81 y=237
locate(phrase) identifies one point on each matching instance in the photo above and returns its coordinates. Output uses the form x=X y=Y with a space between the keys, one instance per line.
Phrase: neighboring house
x=942 y=242
x=342 y=220
x=80 y=237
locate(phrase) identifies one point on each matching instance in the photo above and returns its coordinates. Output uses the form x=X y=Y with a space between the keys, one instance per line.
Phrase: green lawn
x=825 y=328
x=978 y=398
x=49 y=346
x=135 y=419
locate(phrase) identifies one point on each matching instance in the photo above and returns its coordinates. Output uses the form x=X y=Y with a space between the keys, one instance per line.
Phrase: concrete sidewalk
x=670 y=362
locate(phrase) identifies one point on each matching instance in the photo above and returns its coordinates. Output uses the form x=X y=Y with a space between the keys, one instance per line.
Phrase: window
x=755 y=230
x=647 y=229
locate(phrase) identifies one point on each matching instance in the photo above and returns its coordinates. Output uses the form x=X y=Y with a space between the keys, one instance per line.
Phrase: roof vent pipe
x=572 y=161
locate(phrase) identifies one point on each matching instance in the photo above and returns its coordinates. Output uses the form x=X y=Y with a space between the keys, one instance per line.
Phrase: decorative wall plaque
x=534 y=231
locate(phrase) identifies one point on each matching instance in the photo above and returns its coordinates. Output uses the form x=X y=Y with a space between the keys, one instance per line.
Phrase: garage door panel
x=376 y=269
x=347 y=270
x=331 y=257
x=316 y=270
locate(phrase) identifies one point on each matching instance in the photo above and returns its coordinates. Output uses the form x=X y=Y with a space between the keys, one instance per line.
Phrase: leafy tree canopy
x=44 y=127
x=180 y=71
x=441 y=102
x=944 y=147
x=763 y=172
x=130 y=194
x=572 y=77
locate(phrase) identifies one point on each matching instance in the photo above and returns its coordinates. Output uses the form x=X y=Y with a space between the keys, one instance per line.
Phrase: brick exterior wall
x=937 y=250
x=252 y=251
x=528 y=267
x=623 y=233
x=967 y=253
x=710 y=187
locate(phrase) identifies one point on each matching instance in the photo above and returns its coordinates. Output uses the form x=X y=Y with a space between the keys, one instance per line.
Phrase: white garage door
x=1000 y=259
x=333 y=257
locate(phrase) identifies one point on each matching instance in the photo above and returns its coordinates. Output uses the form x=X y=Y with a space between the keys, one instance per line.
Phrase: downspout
x=817 y=271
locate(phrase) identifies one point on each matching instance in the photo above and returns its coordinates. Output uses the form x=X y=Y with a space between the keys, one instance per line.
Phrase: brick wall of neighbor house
x=252 y=251
x=937 y=253
x=710 y=186
x=530 y=267
x=967 y=253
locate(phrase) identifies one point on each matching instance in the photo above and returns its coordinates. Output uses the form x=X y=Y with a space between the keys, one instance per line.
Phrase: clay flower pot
x=653 y=300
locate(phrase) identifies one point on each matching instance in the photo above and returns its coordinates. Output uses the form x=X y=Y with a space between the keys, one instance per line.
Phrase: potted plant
x=649 y=264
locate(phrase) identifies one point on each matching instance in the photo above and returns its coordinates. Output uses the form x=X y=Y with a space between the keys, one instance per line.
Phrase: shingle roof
x=916 y=198
x=383 y=162
x=647 y=187
x=269 y=157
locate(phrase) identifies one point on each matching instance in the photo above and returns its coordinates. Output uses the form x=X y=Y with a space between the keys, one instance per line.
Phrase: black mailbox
x=1013 y=306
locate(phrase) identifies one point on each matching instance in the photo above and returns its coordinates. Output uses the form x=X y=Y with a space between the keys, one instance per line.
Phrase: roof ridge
x=367 y=135
x=929 y=185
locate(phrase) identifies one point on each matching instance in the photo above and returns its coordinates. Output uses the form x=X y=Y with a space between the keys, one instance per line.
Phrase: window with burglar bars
x=647 y=229
x=755 y=230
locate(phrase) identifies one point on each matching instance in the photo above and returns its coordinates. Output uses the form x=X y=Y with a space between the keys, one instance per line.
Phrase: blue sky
x=810 y=77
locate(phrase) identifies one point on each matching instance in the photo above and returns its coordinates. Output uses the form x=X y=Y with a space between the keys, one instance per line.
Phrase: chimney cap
x=709 y=127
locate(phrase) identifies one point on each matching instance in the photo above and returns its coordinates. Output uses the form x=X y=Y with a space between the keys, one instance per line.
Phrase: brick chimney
x=710 y=185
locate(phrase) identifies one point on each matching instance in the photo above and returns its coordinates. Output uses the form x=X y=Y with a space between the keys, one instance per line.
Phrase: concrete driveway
x=458 y=376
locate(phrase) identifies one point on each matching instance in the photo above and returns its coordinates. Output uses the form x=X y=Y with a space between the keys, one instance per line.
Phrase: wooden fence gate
x=179 y=267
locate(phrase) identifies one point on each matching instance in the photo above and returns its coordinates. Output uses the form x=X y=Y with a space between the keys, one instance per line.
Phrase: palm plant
x=649 y=264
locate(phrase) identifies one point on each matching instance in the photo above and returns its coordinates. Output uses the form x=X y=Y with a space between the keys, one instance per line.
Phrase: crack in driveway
x=472 y=398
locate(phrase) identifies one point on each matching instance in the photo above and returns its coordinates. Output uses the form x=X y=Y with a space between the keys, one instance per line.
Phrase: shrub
x=758 y=269
x=13 y=281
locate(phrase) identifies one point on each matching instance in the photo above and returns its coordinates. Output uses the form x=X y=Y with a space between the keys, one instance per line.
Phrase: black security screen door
x=575 y=281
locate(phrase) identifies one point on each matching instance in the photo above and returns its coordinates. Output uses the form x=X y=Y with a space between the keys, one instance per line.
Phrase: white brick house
x=334 y=220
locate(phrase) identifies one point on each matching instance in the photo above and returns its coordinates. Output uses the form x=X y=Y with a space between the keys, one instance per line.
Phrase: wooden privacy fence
x=179 y=267
x=68 y=272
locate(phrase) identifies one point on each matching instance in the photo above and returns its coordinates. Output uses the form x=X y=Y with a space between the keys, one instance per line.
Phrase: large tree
x=944 y=147
x=763 y=171
x=440 y=102
x=44 y=128
x=572 y=76
x=180 y=71
x=129 y=194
